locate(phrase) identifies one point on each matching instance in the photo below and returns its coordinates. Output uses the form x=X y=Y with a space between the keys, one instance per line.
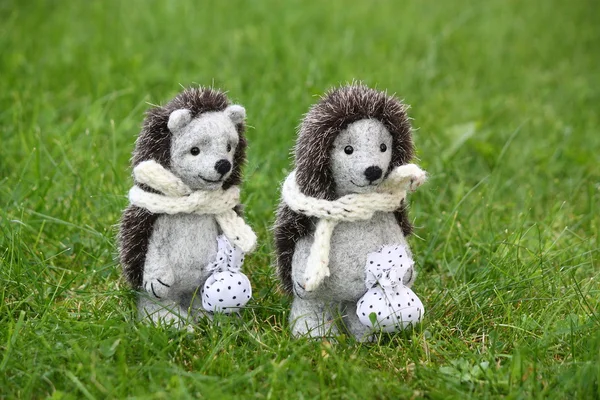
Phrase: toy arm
x=408 y=177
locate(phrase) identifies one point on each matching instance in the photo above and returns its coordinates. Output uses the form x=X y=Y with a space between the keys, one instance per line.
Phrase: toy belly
x=188 y=243
x=350 y=244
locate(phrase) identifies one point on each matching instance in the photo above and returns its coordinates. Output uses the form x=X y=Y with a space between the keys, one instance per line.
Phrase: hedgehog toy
x=182 y=239
x=341 y=227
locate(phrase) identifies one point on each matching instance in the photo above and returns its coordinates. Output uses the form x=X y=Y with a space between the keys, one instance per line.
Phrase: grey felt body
x=350 y=244
x=179 y=250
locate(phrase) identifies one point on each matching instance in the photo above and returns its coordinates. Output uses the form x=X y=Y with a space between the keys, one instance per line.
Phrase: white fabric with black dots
x=227 y=289
x=389 y=305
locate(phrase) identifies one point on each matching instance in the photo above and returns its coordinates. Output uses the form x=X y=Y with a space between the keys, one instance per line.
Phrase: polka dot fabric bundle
x=227 y=290
x=389 y=305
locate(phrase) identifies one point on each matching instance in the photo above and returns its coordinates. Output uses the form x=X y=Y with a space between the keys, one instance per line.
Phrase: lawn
x=505 y=100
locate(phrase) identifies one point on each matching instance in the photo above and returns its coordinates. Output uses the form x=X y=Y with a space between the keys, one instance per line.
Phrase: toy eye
x=228 y=147
x=195 y=151
x=383 y=147
x=348 y=150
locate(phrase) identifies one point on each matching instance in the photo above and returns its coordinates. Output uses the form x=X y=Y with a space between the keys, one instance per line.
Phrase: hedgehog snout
x=373 y=173
x=223 y=166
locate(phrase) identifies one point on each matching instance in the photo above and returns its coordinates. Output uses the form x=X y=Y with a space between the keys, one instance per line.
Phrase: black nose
x=223 y=166
x=373 y=173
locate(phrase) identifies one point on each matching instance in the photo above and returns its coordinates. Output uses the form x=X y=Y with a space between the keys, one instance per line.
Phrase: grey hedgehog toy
x=341 y=228
x=181 y=240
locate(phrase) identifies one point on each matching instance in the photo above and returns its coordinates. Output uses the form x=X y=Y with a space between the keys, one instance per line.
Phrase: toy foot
x=163 y=312
x=311 y=318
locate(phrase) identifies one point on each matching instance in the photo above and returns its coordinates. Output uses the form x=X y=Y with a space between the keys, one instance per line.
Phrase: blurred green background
x=505 y=97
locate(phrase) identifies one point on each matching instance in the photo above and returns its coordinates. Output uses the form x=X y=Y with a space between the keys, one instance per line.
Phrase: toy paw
x=157 y=287
x=226 y=292
x=389 y=311
x=409 y=175
x=417 y=180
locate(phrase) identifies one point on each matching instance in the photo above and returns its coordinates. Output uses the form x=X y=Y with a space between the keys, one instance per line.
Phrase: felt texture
x=169 y=313
x=353 y=324
x=179 y=119
x=180 y=249
x=236 y=113
x=214 y=136
x=154 y=143
x=312 y=318
x=180 y=314
x=155 y=139
x=162 y=312
x=351 y=242
x=364 y=138
x=180 y=256
x=337 y=109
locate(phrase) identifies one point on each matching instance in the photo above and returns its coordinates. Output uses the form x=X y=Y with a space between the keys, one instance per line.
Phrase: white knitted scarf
x=177 y=198
x=353 y=207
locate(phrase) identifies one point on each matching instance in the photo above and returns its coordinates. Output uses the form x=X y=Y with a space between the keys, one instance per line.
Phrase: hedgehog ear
x=236 y=113
x=178 y=119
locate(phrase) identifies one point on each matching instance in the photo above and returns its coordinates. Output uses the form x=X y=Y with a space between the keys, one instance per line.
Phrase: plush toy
x=181 y=239
x=343 y=207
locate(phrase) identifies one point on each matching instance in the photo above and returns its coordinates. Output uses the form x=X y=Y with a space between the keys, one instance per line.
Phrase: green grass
x=505 y=97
